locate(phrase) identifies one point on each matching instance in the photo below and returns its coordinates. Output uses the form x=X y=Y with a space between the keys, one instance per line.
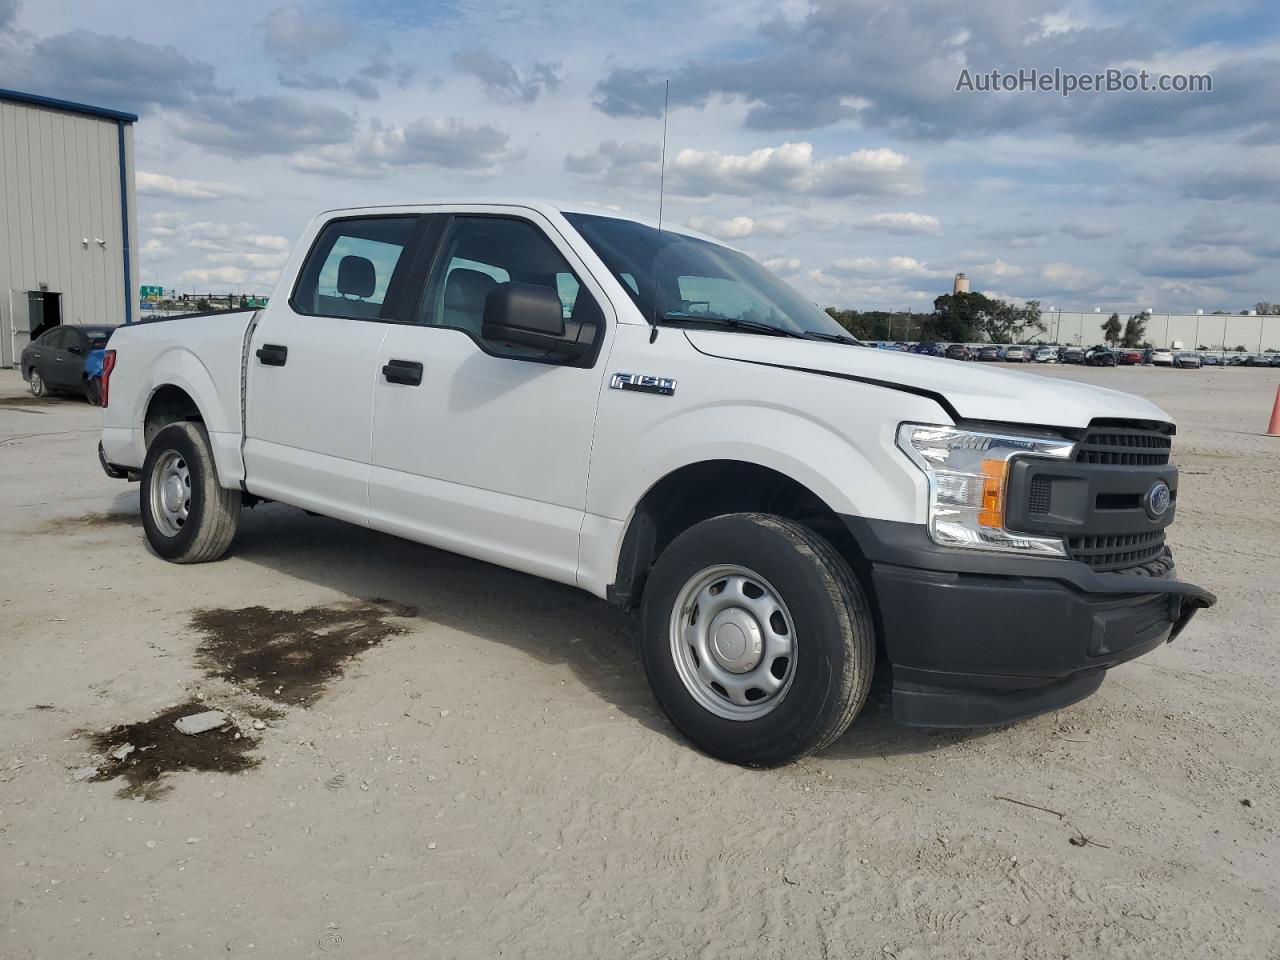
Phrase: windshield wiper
x=733 y=323
x=835 y=338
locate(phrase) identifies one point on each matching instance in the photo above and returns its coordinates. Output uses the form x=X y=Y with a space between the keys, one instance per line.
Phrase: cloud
x=901 y=223
x=735 y=228
x=783 y=265
x=502 y=81
x=1259 y=180
x=217 y=253
x=162 y=185
x=233 y=275
x=895 y=266
x=1062 y=277
x=441 y=142
x=997 y=269
x=1197 y=262
x=264 y=125
x=8 y=13
x=1091 y=230
x=618 y=164
x=363 y=84
x=292 y=35
x=792 y=169
x=896 y=66
x=111 y=71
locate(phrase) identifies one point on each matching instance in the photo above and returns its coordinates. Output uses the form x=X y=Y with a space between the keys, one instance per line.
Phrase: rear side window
x=355 y=269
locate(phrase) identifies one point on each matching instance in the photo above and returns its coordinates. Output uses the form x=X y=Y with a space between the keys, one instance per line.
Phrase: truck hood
x=974 y=391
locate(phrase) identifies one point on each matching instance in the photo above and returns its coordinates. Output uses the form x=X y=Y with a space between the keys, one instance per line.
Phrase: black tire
x=93 y=392
x=36 y=384
x=213 y=514
x=834 y=637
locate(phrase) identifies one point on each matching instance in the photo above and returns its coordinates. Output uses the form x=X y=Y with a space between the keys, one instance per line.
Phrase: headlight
x=968 y=473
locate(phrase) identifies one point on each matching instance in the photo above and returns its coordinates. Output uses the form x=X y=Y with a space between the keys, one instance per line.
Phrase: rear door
x=62 y=366
x=312 y=366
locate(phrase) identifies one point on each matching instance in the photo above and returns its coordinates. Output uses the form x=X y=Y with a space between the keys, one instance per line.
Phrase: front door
x=483 y=448
x=312 y=367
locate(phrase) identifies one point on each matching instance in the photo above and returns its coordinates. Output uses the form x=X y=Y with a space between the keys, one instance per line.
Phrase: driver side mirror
x=528 y=315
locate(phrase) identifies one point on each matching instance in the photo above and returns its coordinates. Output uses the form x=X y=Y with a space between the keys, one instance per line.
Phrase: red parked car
x=1129 y=358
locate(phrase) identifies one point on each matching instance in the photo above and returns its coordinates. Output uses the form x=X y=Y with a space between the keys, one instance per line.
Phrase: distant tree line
x=956 y=318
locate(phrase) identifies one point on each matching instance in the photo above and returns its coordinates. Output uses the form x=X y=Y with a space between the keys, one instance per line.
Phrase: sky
x=826 y=139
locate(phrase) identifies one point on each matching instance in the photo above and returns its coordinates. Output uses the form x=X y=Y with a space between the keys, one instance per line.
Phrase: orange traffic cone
x=1274 y=429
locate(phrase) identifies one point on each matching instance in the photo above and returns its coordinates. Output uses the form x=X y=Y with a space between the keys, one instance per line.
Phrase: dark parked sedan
x=54 y=362
x=990 y=353
x=1071 y=355
x=958 y=351
x=1099 y=357
x=929 y=348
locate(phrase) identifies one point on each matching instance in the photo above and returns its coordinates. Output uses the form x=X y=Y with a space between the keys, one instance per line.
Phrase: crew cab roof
x=549 y=208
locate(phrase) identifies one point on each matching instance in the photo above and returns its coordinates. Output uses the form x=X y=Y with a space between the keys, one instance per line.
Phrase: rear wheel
x=93 y=392
x=188 y=517
x=758 y=641
x=37 y=385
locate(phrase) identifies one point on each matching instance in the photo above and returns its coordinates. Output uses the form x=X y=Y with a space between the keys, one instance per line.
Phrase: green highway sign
x=152 y=293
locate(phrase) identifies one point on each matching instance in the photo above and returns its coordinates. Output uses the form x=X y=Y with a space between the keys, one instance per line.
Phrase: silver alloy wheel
x=170 y=493
x=37 y=384
x=733 y=642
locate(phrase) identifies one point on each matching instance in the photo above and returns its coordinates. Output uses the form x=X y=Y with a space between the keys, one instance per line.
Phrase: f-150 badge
x=644 y=383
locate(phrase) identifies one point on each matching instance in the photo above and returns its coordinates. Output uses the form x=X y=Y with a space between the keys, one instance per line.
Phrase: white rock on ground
x=200 y=722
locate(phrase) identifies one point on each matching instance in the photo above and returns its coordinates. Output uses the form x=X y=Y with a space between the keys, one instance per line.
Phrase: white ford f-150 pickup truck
x=655 y=418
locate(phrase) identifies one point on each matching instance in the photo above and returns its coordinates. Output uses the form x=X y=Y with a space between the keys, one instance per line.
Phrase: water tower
x=961 y=284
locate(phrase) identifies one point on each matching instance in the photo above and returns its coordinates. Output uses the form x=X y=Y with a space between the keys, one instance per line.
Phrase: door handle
x=403 y=371
x=273 y=355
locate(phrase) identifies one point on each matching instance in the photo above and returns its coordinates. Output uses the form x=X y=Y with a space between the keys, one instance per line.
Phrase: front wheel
x=37 y=385
x=188 y=517
x=758 y=641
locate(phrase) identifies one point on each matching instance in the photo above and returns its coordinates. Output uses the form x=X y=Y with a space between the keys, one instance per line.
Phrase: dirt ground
x=431 y=757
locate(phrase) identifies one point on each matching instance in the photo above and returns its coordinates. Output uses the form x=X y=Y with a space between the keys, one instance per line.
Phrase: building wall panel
x=60 y=186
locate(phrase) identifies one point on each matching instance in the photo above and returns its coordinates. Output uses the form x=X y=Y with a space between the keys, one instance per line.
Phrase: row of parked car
x=1096 y=356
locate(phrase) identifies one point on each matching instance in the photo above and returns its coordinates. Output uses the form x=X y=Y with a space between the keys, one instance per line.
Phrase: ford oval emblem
x=1158 y=499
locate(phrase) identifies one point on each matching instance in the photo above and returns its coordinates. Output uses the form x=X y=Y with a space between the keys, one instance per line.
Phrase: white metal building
x=68 y=217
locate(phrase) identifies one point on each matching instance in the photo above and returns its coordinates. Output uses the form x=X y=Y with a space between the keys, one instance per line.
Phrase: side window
x=352 y=267
x=478 y=254
x=62 y=338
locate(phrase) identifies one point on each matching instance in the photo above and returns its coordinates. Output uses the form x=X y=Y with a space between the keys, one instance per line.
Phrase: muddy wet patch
x=143 y=754
x=290 y=656
x=90 y=521
x=34 y=403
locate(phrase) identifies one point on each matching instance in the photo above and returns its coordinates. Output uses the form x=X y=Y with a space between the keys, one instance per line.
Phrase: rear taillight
x=108 y=364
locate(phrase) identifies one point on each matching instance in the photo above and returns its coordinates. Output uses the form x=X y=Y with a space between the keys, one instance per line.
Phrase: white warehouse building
x=68 y=217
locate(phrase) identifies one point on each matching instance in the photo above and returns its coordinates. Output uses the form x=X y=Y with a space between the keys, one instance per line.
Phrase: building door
x=44 y=311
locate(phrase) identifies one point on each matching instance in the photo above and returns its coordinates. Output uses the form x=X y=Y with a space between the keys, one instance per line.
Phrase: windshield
x=678 y=278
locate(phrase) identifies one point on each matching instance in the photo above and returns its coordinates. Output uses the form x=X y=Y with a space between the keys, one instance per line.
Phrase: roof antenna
x=662 y=182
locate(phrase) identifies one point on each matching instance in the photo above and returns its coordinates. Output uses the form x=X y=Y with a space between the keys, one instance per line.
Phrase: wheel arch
x=708 y=488
x=168 y=403
x=180 y=387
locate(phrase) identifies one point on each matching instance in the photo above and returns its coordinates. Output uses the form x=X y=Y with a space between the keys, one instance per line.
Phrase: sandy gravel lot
x=439 y=758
